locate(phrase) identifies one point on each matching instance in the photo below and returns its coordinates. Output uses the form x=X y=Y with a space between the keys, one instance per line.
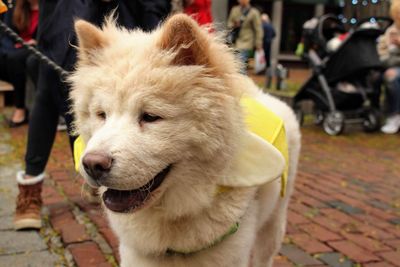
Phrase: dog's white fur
x=182 y=74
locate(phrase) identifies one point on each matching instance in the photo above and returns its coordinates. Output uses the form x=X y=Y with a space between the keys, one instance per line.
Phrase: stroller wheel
x=334 y=123
x=371 y=121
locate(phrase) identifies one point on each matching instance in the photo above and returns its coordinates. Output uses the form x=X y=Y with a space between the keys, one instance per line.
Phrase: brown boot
x=29 y=203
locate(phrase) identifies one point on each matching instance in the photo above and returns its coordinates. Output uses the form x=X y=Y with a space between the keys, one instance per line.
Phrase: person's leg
x=396 y=94
x=41 y=134
x=390 y=81
x=267 y=52
x=44 y=118
x=3 y=66
x=16 y=72
x=244 y=55
x=32 y=68
x=392 y=78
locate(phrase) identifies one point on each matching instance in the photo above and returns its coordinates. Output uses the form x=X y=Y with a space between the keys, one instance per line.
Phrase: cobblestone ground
x=345 y=210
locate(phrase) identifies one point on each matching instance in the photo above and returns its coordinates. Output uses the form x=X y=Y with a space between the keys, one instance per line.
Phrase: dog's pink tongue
x=123 y=201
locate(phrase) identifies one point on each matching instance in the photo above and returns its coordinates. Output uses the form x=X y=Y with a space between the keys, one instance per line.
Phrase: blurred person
x=6 y=43
x=56 y=38
x=245 y=21
x=389 y=52
x=200 y=10
x=13 y=62
x=176 y=6
x=269 y=35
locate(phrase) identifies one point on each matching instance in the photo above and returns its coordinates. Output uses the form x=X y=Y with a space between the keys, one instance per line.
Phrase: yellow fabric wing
x=268 y=126
x=263 y=156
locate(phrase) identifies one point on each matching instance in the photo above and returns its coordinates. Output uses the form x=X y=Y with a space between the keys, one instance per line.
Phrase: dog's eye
x=146 y=117
x=101 y=115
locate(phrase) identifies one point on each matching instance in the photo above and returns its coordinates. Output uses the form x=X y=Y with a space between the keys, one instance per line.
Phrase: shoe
x=12 y=124
x=392 y=124
x=62 y=125
x=29 y=202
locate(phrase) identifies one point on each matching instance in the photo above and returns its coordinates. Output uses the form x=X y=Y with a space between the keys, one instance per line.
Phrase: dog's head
x=158 y=112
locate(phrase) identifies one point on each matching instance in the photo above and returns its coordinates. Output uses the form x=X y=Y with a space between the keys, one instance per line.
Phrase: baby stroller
x=344 y=87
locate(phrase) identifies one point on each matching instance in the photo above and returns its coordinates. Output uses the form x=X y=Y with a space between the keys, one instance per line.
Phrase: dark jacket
x=6 y=43
x=56 y=32
x=269 y=32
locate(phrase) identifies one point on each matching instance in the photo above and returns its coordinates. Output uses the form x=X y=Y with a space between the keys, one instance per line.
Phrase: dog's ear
x=183 y=35
x=90 y=39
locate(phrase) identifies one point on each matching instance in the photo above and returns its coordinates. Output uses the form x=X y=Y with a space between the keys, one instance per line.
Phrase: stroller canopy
x=356 y=53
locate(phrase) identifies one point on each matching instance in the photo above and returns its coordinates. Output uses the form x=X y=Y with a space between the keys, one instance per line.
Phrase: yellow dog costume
x=267 y=140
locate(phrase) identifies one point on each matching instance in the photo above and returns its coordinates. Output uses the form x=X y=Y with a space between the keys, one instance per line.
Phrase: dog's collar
x=233 y=229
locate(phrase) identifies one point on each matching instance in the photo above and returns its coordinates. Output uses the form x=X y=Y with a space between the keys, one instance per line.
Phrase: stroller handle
x=321 y=24
x=388 y=20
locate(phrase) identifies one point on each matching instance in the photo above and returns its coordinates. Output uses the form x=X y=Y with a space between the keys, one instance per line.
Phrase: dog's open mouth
x=129 y=200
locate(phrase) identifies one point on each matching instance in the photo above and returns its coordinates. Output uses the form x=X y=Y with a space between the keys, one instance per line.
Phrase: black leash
x=16 y=38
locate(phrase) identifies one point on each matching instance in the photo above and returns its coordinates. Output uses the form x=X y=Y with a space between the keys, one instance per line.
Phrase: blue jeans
x=244 y=55
x=393 y=94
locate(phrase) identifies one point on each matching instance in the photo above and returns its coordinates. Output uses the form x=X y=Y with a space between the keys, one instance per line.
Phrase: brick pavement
x=345 y=210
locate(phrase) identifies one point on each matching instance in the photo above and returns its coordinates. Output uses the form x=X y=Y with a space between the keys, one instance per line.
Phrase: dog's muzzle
x=130 y=200
x=98 y=166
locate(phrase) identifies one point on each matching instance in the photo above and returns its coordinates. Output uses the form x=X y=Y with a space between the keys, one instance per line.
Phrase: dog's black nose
x=97 y=164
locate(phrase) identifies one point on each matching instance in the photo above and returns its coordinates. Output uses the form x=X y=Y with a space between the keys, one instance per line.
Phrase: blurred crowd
x=51 y=32
x=16 y=63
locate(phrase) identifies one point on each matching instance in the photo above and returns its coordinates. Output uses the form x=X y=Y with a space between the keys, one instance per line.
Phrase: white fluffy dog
x=182 y=178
